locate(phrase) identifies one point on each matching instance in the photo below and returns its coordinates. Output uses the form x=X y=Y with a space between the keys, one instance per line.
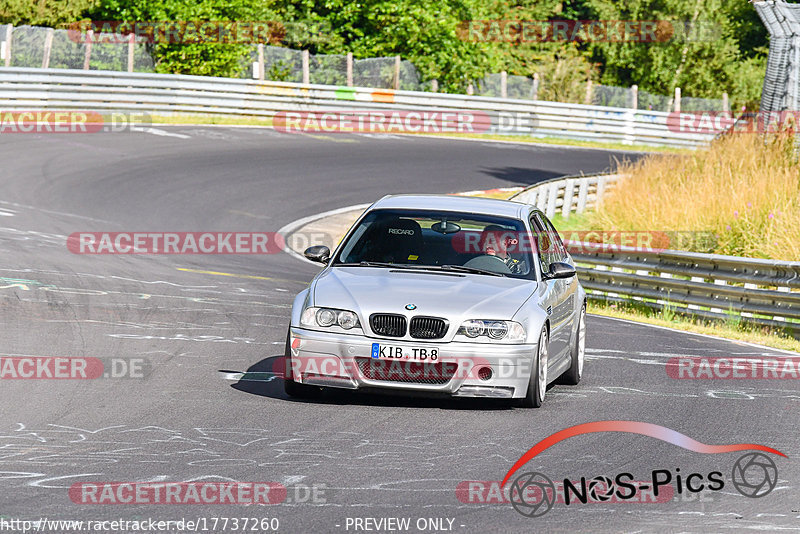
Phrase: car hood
x=454 y=296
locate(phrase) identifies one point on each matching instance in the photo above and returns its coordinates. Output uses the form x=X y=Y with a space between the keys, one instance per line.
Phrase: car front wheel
x=537 y=385
x=578 y=353
x=290 y=387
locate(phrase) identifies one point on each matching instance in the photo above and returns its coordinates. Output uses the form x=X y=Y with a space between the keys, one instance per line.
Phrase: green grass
x=223 y=120
x=576 y=222
x=733 y=329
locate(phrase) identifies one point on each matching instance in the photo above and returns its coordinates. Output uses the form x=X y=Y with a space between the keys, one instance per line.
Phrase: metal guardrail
x=711 y=286
x=764 y=292
x=567 y=194
x=30 y=89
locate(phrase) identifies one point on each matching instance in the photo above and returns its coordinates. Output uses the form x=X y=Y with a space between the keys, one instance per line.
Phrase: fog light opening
x=485 y=373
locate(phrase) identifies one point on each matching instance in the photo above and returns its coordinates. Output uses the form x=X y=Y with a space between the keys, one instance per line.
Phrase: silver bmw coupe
x=447 y=295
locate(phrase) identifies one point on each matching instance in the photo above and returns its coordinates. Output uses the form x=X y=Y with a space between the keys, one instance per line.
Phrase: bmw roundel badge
x=411 y=306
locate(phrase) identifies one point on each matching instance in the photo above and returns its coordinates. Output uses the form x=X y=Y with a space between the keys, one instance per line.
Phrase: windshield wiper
x=374 y=264
x=472 y=270
x=458 y=268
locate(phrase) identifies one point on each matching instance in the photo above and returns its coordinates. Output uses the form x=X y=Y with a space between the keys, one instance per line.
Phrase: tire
x=573 y=375
x=290 y=387
x=537 y=385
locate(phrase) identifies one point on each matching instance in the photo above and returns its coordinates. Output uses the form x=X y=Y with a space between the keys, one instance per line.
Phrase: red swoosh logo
x=633 y=427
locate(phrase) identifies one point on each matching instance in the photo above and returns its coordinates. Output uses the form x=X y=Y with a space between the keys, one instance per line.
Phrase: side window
x=550 y=247
x=541 y=242
x=559 y=248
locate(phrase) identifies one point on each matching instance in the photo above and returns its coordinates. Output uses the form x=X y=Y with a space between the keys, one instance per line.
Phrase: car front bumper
x=460 y=370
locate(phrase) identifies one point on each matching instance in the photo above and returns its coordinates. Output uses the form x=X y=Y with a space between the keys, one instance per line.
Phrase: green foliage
x=424 y=33
x=279 y=71
x=731 y=36
x=563 y=73
x=427 y=33
x=206 y=59
x=50 y=13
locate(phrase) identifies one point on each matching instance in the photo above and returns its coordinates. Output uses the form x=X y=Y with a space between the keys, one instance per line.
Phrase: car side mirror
x=560 y=269
x=318 y=253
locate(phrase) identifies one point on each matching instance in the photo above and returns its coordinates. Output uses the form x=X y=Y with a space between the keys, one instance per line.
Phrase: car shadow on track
x=265 y=379
x=520 y=175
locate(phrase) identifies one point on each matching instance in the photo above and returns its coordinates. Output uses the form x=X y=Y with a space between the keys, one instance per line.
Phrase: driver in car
x=497 y=241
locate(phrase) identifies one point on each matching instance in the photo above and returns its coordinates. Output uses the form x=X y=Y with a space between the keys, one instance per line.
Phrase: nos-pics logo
x=533 y=494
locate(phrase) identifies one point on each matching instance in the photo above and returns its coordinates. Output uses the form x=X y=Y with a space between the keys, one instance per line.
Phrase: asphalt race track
x=195 y=321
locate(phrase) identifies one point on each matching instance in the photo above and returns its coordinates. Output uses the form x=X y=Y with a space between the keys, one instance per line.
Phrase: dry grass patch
x=743 y=189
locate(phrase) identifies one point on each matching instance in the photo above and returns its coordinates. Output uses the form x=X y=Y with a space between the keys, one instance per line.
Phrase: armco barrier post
x=306 y=67
x=583 y=195
x=503 y=84
x=261 y=74
x=9 y=31
x=601 y=190
x=569 y=197
x=677 y=100
x=541 y=198
x=552 y=197
x=87 y=54
x=48 y=46
x=396 y=73
x=131 y=50
x=349 y=69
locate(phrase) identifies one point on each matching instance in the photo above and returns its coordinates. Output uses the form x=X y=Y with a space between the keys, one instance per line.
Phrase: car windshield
x=447 y=241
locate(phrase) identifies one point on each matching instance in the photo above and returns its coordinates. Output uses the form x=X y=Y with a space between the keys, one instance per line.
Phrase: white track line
x=709 y=336
x=294 y=225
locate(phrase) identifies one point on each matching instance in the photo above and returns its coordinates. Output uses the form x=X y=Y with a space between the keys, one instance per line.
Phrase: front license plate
x=398 y=352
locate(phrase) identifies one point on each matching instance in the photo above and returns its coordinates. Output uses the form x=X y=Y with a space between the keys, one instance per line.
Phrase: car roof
x=476 y=205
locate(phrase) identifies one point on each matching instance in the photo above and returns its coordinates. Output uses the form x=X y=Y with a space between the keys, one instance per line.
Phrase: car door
x=561 y=292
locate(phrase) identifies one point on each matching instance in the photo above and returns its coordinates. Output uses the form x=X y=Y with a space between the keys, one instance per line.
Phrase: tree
x=50 y=13
x=704 y=64
x=208 y=59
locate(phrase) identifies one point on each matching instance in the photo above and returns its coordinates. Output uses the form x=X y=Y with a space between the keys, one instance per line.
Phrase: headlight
x=502 y=331
x=497 y=330
x=473 y=328
x=326 y=317
x=347 y=319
